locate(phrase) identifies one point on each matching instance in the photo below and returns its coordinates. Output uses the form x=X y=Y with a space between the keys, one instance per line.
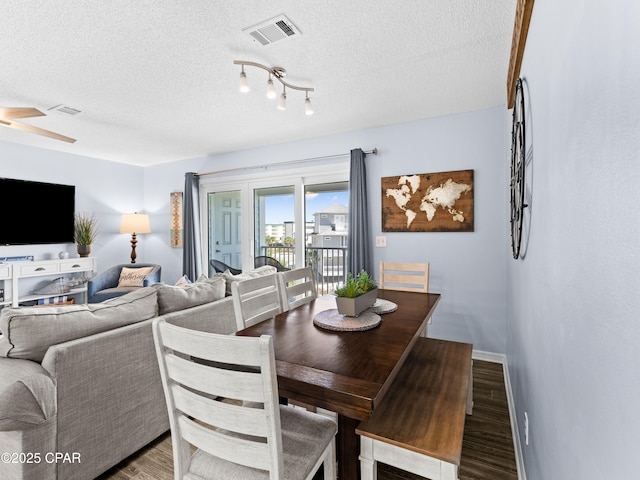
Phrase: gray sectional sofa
x=80 y=388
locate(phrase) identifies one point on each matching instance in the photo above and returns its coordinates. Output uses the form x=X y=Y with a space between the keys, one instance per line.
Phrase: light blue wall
x=106 y=189
x=574 y=307
x=468 y=269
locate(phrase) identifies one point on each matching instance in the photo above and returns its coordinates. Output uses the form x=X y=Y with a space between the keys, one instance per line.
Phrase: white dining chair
x=256 y=299
x=297 y=287
x=407 y=277
x=222 y=398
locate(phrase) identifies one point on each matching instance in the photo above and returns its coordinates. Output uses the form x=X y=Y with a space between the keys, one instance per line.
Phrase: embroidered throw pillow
x=133 y=277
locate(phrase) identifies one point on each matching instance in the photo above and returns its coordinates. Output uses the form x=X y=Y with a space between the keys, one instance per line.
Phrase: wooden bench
x=418 y=427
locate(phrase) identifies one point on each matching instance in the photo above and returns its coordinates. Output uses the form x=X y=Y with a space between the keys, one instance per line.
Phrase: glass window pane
x=327 y=225
x=274 y=227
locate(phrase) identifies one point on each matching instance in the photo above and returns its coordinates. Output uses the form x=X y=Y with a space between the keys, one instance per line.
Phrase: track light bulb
x=282 y=103
x=271 y=90
x=244 y=83
x=308 y=108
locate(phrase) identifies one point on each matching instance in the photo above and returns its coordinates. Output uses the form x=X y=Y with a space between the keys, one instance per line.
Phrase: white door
x=225 y=227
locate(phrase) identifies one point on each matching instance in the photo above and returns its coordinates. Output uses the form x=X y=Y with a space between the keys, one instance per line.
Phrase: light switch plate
x=381 y=241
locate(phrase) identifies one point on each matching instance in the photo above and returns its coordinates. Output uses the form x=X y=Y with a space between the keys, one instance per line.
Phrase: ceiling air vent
x=272 y=30
x=65 y=110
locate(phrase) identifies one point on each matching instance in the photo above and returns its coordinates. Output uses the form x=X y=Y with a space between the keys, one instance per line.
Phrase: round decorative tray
x=383 y=306
x=332 y=320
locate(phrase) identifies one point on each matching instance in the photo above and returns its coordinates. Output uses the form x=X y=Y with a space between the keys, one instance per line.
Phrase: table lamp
x=134 y=223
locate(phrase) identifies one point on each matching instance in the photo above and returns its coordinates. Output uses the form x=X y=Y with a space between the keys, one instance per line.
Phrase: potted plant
x=85 y=230
x=356 y=295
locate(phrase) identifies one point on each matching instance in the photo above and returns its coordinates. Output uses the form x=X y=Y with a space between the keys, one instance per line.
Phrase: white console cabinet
x=13 y=272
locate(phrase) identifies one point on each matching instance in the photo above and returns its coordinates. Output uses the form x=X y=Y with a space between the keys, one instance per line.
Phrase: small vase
x=84 y=250
x=352 y=307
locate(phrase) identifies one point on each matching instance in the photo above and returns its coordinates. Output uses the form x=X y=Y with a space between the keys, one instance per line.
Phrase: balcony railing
x=328 y=264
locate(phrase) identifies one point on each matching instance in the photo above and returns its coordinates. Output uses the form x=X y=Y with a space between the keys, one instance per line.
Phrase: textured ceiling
x=155 y=79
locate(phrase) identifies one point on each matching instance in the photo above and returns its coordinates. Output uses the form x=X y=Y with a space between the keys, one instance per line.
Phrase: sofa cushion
x=256 y=272
x=108 y=293
x=172 y=298
x=29 y=331
x=27 y=394
x=133 y=277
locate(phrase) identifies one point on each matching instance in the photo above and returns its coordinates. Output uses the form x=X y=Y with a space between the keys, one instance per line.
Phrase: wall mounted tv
x=36 y=212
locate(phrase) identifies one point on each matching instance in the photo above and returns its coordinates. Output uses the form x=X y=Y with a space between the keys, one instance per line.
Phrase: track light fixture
x=279 y=73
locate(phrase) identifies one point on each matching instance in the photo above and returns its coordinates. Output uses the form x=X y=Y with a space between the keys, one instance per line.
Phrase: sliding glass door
x=289 y=220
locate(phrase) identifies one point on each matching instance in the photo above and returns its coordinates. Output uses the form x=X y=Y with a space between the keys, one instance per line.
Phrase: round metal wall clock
x=518 y=149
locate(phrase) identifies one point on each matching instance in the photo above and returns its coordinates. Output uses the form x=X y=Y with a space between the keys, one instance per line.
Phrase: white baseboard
x=489 y=357
x=502 y=359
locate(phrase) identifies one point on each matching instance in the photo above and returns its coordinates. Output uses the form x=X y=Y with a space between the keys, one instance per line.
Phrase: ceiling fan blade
x=40 y=131
x=9 y=113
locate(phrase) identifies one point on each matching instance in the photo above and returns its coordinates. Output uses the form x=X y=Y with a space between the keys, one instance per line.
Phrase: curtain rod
x=374 y=151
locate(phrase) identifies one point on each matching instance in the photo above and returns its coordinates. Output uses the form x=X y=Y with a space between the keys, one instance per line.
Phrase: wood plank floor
x=487 y=449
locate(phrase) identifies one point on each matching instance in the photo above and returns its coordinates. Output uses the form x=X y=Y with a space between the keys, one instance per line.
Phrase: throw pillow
x=182 y=281
x=30 y=331
x=133 y=277
x=203 y=278
x=172 y=298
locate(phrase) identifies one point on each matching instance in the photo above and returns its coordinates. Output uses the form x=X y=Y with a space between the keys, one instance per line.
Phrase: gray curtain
x=192 y=251
x=358 y=244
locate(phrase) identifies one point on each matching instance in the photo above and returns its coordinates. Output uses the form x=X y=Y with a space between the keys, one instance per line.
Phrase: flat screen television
x=36 y=212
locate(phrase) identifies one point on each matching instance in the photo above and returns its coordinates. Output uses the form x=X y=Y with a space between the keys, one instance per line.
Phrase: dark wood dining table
x=347 y=373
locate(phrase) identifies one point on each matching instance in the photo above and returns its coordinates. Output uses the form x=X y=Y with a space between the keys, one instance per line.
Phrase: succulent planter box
x=352 y=307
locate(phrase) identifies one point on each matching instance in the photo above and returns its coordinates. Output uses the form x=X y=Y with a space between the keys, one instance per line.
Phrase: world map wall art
x=428 y=202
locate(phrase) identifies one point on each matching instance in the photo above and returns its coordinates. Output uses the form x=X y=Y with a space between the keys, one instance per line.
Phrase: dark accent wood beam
x=520 y=30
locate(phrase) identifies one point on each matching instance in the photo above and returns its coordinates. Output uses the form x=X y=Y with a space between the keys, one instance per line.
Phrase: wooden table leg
x=348 y=448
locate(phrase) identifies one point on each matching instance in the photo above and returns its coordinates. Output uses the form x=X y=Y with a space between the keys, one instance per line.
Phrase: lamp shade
x=282 y=103
x=308 y=108
x=271 y=89
x=135 y=223
x=244 y=83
